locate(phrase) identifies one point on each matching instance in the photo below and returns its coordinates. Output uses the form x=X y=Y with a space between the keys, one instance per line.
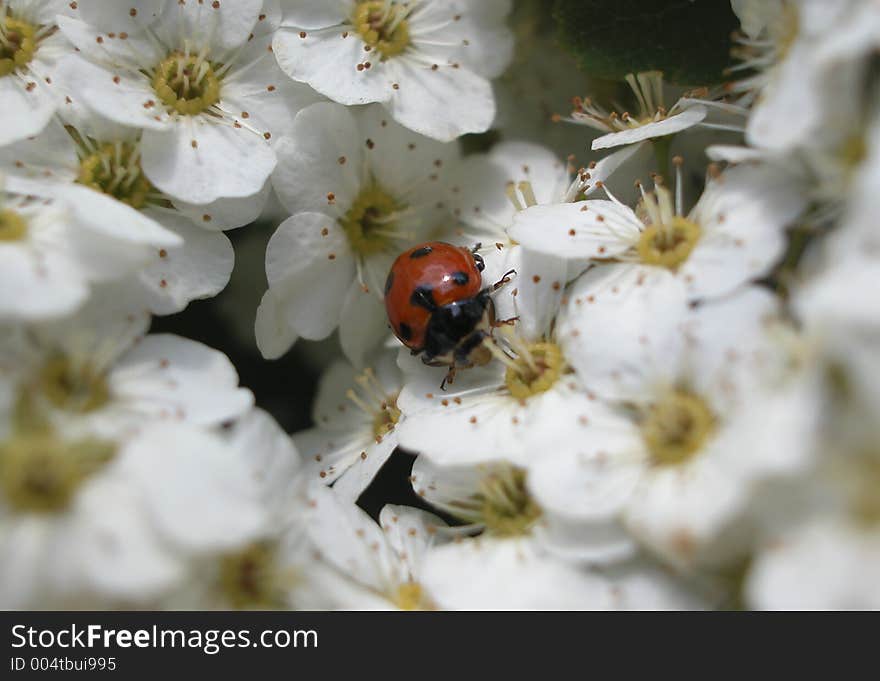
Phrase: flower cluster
x=678 y=404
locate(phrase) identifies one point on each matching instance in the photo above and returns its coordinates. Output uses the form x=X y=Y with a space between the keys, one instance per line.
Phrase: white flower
x=427 y=62
x=489 y=571
x=112 y=521
x=55 y=245
x=30 y=47
x=372 y=567
x=372 y=188
x=355 y=416
x=734 y=234
x=801 y=48
x=106 y=159
x=695 y=418
x=654 y=120
x=199 y=80
x=97 y=374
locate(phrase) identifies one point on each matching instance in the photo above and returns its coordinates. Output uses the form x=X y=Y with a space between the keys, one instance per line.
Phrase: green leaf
x=688 y=40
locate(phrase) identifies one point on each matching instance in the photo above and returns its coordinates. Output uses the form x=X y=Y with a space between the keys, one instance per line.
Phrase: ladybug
x=438 y=307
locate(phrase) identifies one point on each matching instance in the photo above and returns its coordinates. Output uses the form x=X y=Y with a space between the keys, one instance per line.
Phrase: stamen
x=510 y=190
x=528 y=193
x=363 y=406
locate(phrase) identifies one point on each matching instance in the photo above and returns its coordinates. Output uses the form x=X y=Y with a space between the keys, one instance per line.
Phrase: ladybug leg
x=494 y=322
x=449 y=379
x=478 y=259
x=505 y=279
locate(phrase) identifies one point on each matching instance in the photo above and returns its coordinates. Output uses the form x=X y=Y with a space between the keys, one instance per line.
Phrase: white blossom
x=200 y=82
x=428 y=63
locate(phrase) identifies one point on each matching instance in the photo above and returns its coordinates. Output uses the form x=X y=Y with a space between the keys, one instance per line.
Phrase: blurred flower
x=696 y=419
x=55 y=245
x=62 y=162
x=97 y=373
x=107 y=521
x=372 y=567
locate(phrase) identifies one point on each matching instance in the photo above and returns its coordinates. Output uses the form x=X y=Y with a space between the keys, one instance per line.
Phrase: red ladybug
x=438 y=307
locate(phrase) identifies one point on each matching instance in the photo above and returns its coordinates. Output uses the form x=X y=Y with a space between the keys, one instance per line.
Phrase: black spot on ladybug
x=405 y=331
x=479 y=260
x=389 y=282
x=423 y=296
x=460 y=278
x=421 y=252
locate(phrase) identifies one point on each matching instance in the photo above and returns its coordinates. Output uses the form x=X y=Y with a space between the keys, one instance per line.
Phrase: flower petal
x=328 y=60
x=668 y=126
x=443 y=103
x=324 y=146
x=200 y=161
x=310 y=270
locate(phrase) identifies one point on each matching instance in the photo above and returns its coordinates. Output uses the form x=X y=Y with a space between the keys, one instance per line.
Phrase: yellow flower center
x=73 y=388
x=248 y=578
x=371 y=222
x=115 y=169
x=668 y=245
x=382 y=26
x=411 y=596
x=676 y=428
x=535 y=371
x=40 y=473
x=18 y=43
x=13 y=226
x=853 y=151
x=507 y=508
x=187 y=83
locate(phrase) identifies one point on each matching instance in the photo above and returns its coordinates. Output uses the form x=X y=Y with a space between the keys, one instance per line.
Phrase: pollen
x=507 y=508
x=376 y=402
x=13 y=226
x=411 y=596
x=676 y=427
x=248 y=578
x=73 y=387
x=668 y=245
x=536 y=369
x=115 y=169
x=187 y=83
x=18 y=43
x=371 y=224
x=40 y=473
x=383 y=26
